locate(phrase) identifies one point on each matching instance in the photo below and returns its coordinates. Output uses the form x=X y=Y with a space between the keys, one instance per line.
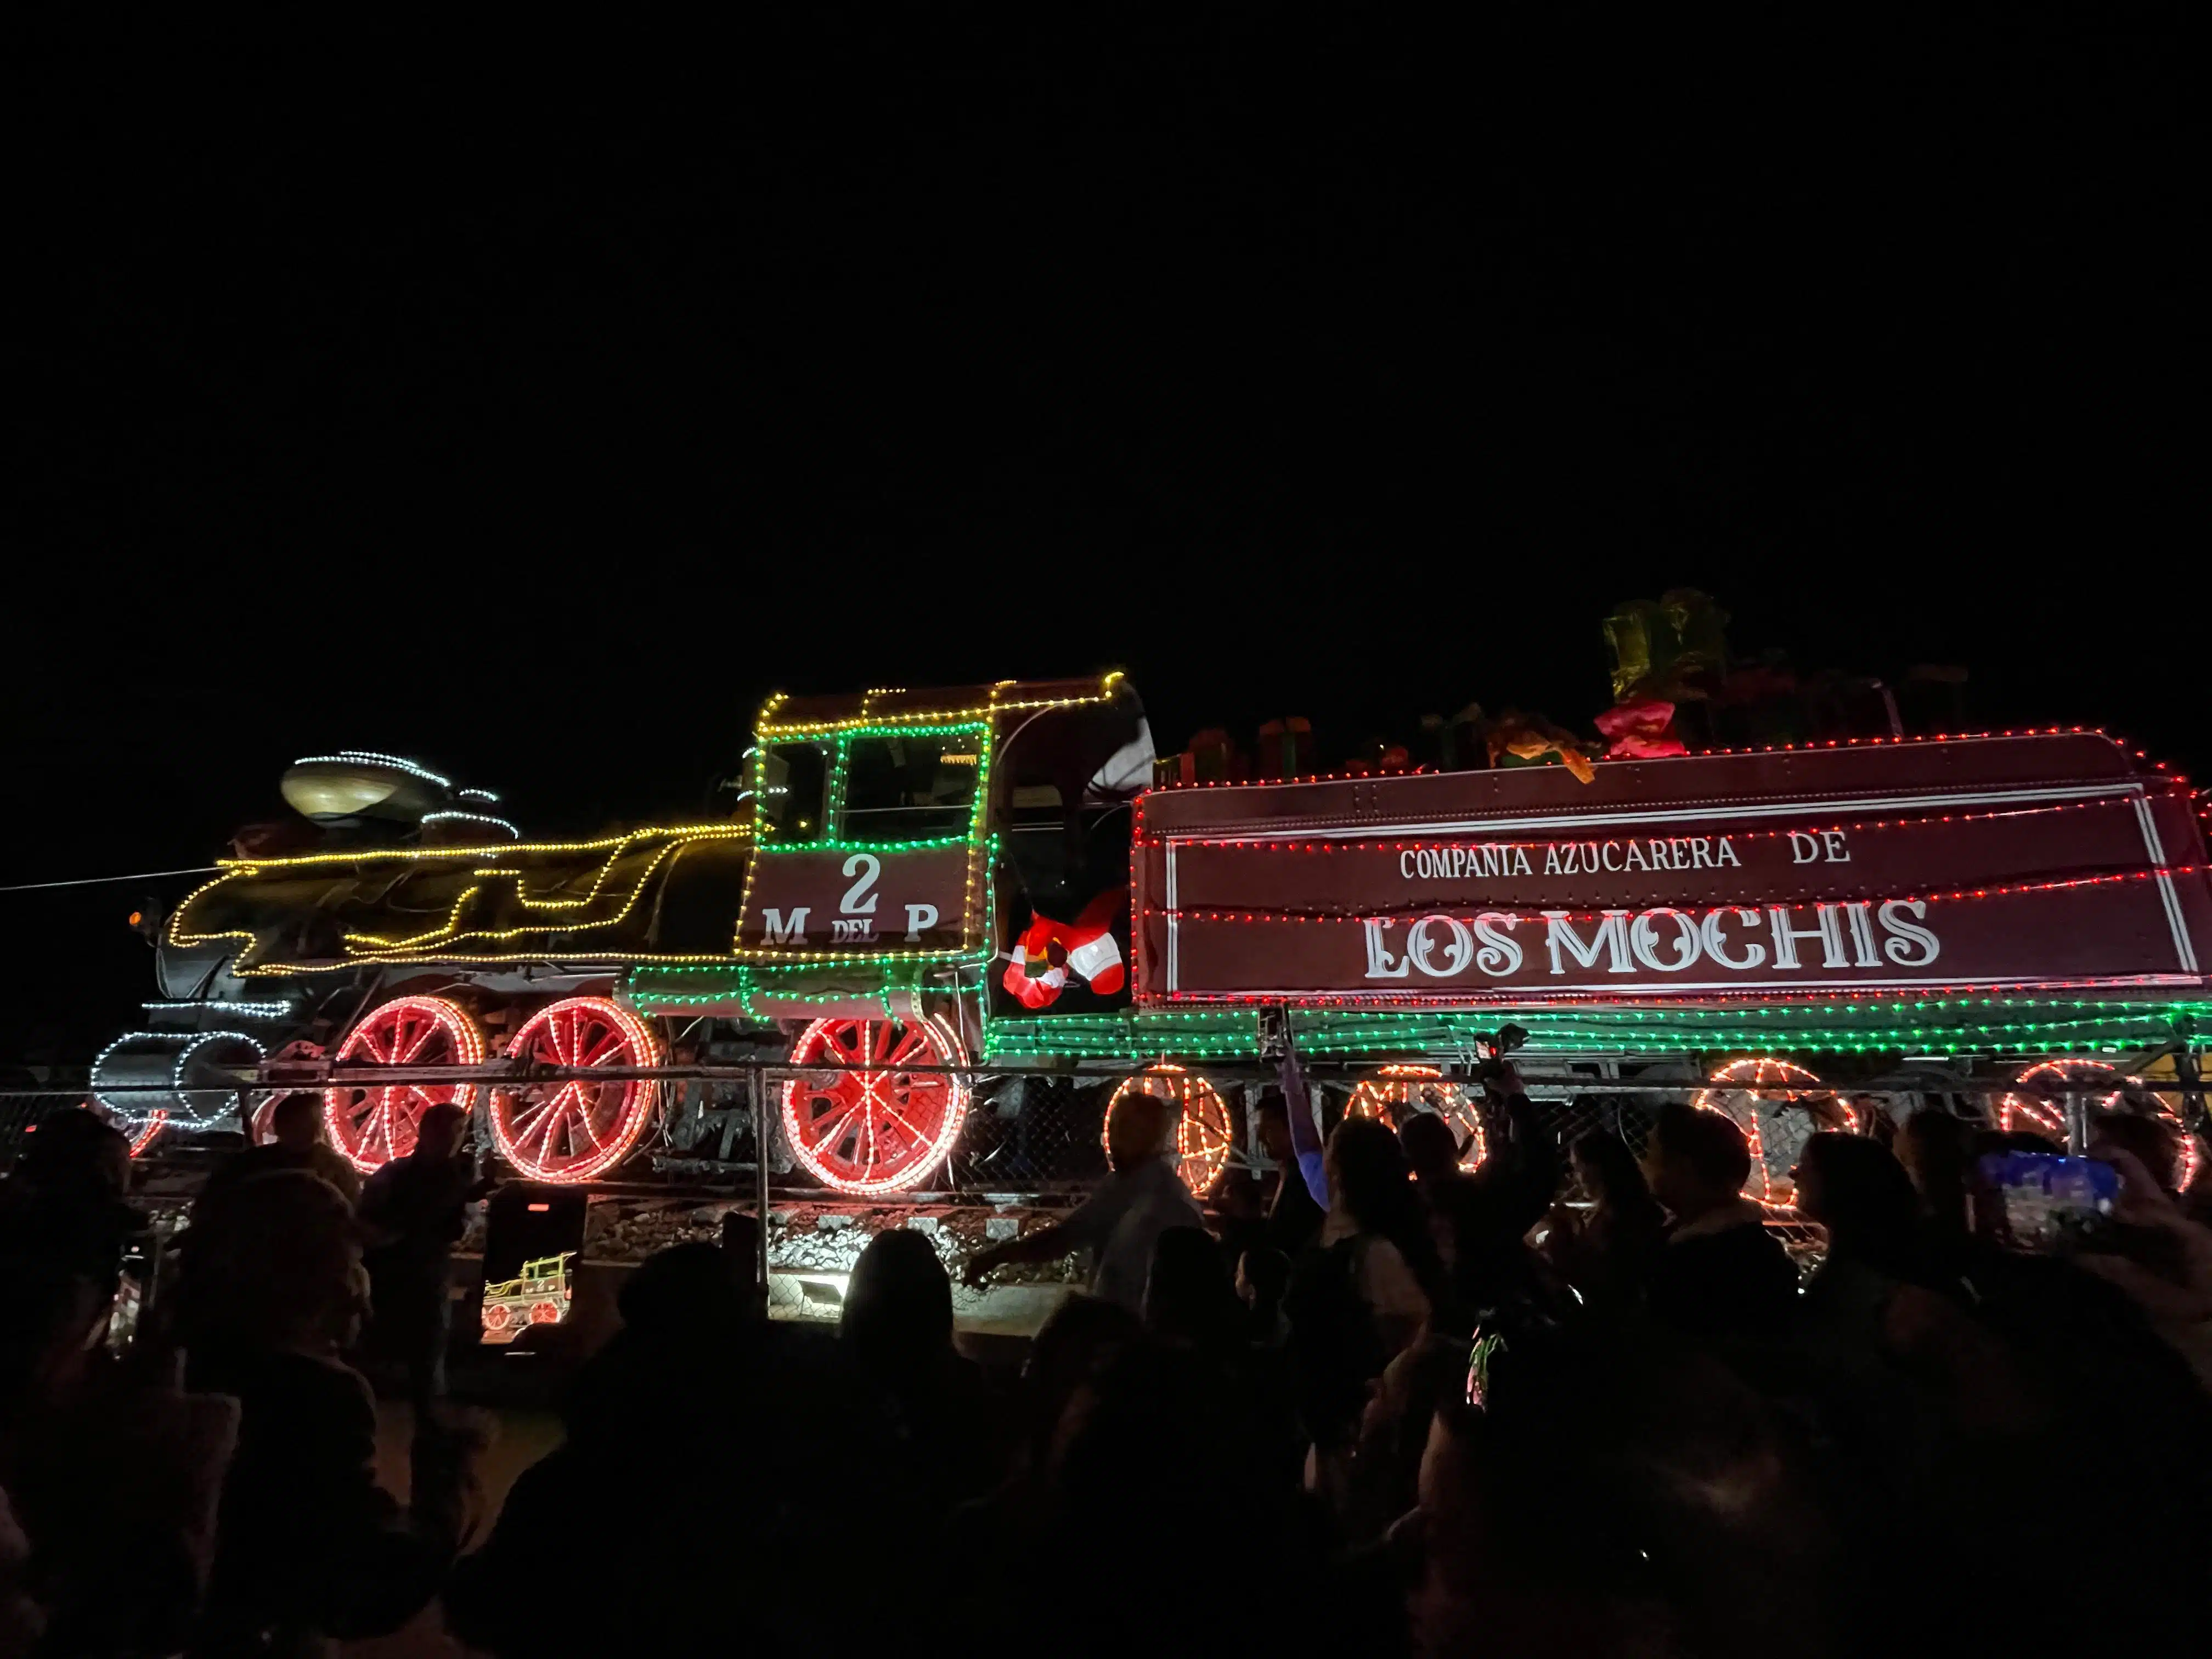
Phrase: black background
x=534 y=402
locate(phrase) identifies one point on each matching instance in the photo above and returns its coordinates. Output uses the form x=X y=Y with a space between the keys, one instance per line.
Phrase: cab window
x=794 y=789
x=911 y=788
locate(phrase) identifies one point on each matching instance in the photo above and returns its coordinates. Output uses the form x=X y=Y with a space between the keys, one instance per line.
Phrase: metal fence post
x=2077 y=1122
x=759 y=1093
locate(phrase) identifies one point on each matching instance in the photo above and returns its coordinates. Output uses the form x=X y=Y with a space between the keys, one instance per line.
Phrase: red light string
x=1694 y=754
x=1341 y=845
x=2009 y=891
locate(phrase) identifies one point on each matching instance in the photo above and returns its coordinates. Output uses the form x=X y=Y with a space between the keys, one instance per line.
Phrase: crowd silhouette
x=1577 y=1401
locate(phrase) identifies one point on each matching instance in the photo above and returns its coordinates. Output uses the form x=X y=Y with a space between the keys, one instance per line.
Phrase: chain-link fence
x=928 y=1137
x=933 y=1133
x=1012 y=1149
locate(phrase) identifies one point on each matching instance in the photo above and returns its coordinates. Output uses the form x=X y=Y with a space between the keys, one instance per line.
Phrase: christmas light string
x=489 y=849
x=235 y=1010
x=765 y=728
x=1398 y=1091
x=471 y=817
x=370 y=757
x=375 y=1125
x=148 y=1122
x=607 y=1117
x=861 y=1105
x=1203 y=1134
x=1758 y=1078
x=1852 y=826
x=983 y=847
x=2046 y=1114
x=1200 y=1032
x=378 y=949
x=2008 y=890
x=452 y=930
x=1808 y=747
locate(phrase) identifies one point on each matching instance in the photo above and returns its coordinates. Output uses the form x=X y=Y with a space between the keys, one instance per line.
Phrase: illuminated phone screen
x=533 y=1238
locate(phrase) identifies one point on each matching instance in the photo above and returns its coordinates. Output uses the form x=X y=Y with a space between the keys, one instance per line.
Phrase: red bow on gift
x=1049 y=953
x=1641 y=731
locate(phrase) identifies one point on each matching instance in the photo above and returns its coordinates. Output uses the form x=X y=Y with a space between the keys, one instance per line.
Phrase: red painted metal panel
x=858 y=900
x=2030 y=860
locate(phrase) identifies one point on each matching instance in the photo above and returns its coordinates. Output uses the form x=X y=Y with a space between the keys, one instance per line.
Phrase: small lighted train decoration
x=539 y=1295
x=908 y=897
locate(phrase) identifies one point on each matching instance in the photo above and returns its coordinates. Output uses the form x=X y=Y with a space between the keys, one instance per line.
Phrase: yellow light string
x=765 y=728
x=379 y=948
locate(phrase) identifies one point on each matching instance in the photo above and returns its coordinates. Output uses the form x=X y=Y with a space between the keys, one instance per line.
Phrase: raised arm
x=1305 y=1128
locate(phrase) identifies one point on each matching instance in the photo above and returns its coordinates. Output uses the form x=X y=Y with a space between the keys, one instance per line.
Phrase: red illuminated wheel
x=261 y=1127
x=497 y=1317
x=571 y=1130
x=1779 y=1106
x=875 y=1127
x=373 y=1126
x=141 y=1133
x=1397 y=1092
x=1203 y=1132
x=545 y=1313
x=2029 y=1107
x=2041 y=1113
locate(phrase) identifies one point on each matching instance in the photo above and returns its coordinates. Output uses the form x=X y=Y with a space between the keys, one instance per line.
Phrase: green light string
x=832 y=802
x=1235 y=1035
x=934 y=844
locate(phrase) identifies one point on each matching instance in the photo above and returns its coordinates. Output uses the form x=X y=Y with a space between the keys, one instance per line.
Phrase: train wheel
x=373 y=1126
x=497 y=1317
x=570 y=1131
x=2026 y=1107
x=141 y=1133
x=261 y=1126
x=1204 y=1133
x=1396 y=1092
x=1779 y=1106
x=874 y=1128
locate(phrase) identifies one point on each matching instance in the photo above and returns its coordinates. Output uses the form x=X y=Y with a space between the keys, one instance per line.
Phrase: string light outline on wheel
x=1198 y=1153
x=460 y=1032
x=2044 y=1115
x=635 y=1046
x=144 y=1125
x=1757 y=1077
x=1396 y=1084
x=873 y=1104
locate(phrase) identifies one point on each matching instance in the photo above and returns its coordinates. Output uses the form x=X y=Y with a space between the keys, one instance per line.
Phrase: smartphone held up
x=2045 y=1204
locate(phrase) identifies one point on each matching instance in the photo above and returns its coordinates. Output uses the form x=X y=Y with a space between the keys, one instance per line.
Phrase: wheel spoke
x=411 y=1048
x=898 y=1117
x=374 y=1040
x=611 y=1042
x=585 y=1100
x=541 y=1128
x=837 y=1132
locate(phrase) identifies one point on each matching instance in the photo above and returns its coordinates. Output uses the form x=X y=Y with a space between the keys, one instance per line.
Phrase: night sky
x=535 y=403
